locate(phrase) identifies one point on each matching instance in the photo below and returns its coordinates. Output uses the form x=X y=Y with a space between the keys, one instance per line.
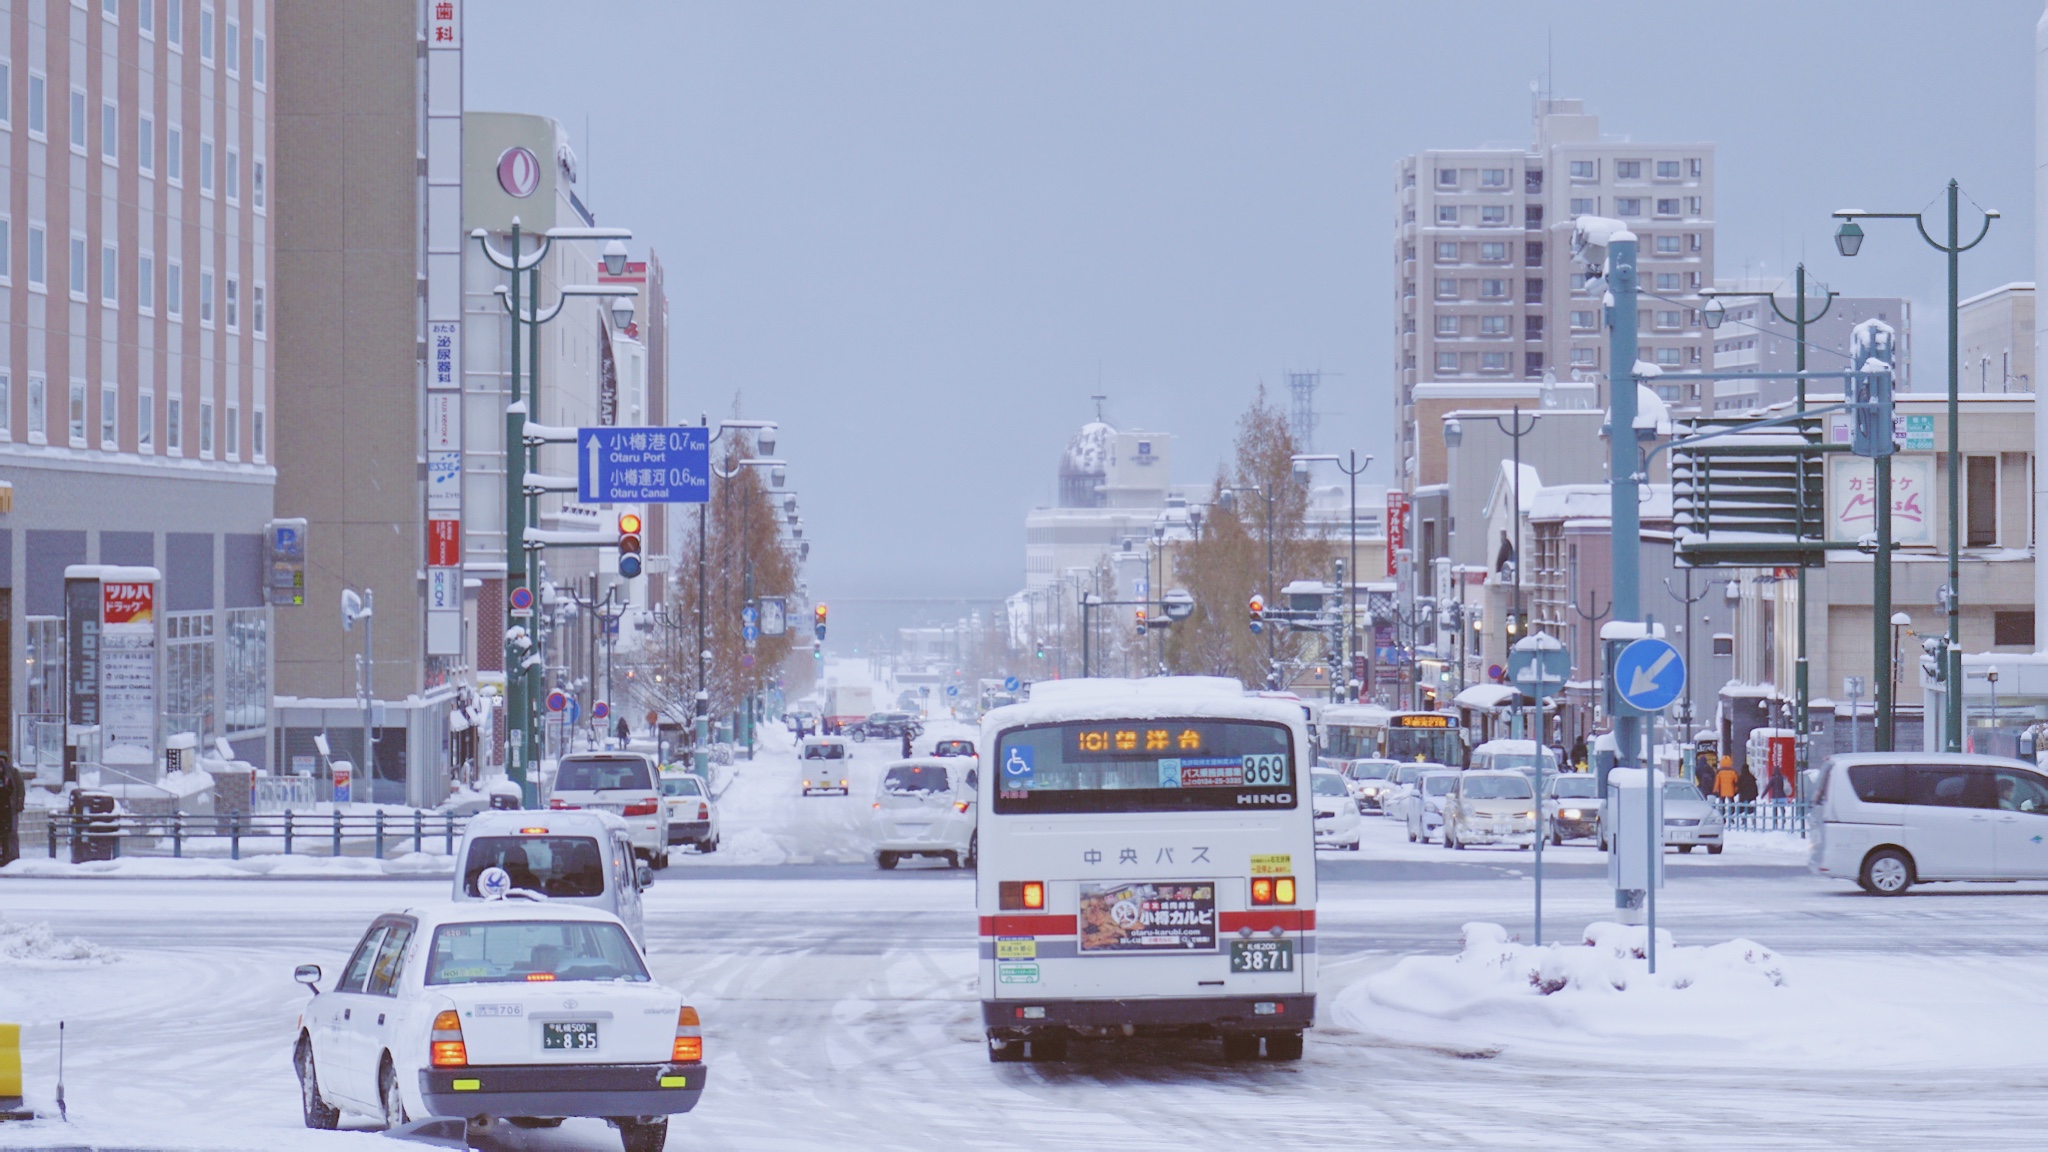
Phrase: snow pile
x=35 y=944
x=750 y=846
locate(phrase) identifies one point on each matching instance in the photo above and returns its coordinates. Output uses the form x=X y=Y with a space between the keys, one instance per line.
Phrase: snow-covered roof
x=1054 y=701
x=1486 y=696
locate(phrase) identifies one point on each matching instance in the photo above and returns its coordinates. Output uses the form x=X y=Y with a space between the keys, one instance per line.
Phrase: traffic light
x=1258 y=613
x=1934 y=658
x=1041 y=649
x=629 y=545
x=1141 y=621
x=1872 y=345
x=819 y=628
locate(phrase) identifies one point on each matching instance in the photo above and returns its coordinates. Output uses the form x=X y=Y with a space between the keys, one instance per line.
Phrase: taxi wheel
x=1283 y=1045
x=389 y=1096
x=885 y=860
x=1685 y=849
x=319 y=1113
x=1240 y=1047
x=661 y=861
x=643 y=1135
x=1714 y=849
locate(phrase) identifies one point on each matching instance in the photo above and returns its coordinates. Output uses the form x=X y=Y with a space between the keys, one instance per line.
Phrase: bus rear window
x=1154 y=765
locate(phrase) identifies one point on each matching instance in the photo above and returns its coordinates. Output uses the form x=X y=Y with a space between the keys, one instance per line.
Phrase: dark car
x=953 y=748
x=885 y=726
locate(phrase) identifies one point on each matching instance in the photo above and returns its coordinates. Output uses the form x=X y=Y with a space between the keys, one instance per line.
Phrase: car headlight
x=1526 y=815
x=1571 y=814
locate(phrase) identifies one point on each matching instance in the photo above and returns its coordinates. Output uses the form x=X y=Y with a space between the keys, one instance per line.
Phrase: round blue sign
x=1649 y=675
x=522 y=598
x=1010 y=684
x=952 y=689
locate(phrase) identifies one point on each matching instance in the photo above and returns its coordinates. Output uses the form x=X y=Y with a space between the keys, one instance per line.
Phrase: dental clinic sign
x=1852 y=499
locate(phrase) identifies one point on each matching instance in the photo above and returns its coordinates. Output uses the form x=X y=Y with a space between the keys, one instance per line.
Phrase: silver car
x=1371 y=782
x=1690 y=820
x=1425 y=803
x=1571 y=807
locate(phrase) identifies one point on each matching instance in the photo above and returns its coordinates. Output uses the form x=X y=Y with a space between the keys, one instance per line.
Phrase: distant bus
x=1435 y=737
x=1147 y=867
x=1351 y=732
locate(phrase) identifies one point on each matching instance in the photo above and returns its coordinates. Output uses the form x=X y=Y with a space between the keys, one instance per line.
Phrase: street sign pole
x=1538 y=667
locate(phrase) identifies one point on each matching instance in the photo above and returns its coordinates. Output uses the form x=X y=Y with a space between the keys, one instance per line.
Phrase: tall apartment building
x=135 y=361
x=1484 y=285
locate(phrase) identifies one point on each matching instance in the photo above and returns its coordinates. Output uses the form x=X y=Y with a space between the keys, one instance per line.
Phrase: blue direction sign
x=952 y=689
x=643 y=465
x=1010 y=683
x=1649 y=675
x=751 y=632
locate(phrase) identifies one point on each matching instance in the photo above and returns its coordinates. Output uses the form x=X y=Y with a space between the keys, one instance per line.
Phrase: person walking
x=624 y=731
x=1745 y=786
x=1724 y=779
x=13 y=798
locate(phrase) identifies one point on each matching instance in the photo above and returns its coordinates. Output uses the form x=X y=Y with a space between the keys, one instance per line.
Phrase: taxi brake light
x=689 y=1046
x=703 y=810
x=447 y=1050
x=1262 y=891
x=643 y=808
x=560 y=805
x=1283 y=890
x=533 y=831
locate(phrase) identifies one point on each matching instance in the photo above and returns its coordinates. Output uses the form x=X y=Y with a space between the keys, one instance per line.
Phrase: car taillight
x=1021 y=895
x=447 y=1050
x=560 y=805
x=1273 y=890
x=959 y=805
x=643 y=808
x=703 y=810
x=689 y=1047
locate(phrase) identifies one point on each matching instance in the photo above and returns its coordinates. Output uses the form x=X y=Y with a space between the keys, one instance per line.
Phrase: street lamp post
x=1849 y=241
x=1454 y=435
x=1351 y=468
x=1713 y=314
x=1899 y=621
x=522 y=735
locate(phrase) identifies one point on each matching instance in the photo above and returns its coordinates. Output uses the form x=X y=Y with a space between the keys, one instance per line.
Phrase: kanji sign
x=444 y=543
x=443 y=354
x=1397 y=526
x=643 y=465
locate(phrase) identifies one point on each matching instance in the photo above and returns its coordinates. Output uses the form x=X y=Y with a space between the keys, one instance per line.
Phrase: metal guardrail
x=304 y=833
x=1765 y=815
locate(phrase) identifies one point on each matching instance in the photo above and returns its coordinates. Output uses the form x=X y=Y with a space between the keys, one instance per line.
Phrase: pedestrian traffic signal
x=819 y=628
x=629 y=545
x=1258 y=613
x=1871 y=348
x=1141 y=621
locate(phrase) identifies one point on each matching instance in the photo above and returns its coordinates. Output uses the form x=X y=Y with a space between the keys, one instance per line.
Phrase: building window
x=77 y=424
x=1493 y=214
x=1667 y=282
x=256 y=184
x=1493 y=361
x=1493 y=325
x=110 y=407
x=188 y=673
x=38 y=99
x=145 y=422
x=1585 y=321
x=1493 y=252
x=1532 y=254
x=174 y=153
x=206 y=429
x=6 y=94
x=38 y=410
x=1692 y=168
x=1692 y=354
x=1667 y=206
x=174 y=23
x=77 y=269
x=1586 y=357
x=234 y=430
x=205 y=166
x=1447 y=325
x=1693 y=241
x=1693 y=205
x=1532 y=217
x=256 y=309
x=110 y=130
x=206 y=34
x=1447 y=289
x=1493 y=177
x=145 y=283
x=233 y=44
x=1667 y=246
x=1447 y=177
x=1447 y=363
x=145 y=144
x=1493 y=289
x=145 y=16
x=1532 y=290
x=1628 y=206
x=1532 y=327
x=1667 y=357
x=6 y=407
x=1447 y=252
x=6 y=250
x=1667 y=169
x=174 y=425
x=206 y=296
x=256 y=436
x=248 y=657
x=1578 y=283
x=259 y=60
x=234 y=176
x=110 y=274
x=1585 y=169
x=1447 y=214
x=1667 y=319
x=234 y=301
x=1981 y=523
x=2013 y=628
x=1532 y=181
x=1628 y=169
x=1532 y=364
x=1585 y=206
x=78 y=120
x=174 y=289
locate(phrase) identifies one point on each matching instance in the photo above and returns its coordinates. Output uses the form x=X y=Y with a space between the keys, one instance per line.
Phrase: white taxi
x=515 y=1009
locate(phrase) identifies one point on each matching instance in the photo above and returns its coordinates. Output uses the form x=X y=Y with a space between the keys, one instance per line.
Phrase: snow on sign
x=643 y=465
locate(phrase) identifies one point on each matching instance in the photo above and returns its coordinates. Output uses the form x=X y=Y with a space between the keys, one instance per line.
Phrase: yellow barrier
x=10 y=1065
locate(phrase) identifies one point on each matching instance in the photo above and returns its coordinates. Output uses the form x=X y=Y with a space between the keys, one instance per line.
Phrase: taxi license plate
x=579 y=1036
x=1262 y=955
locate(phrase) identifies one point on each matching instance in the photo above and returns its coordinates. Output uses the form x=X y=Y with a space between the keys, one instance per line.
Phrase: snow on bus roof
x=1157 y=696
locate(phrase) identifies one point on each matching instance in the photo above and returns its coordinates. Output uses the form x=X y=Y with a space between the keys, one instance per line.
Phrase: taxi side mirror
x=309 y=975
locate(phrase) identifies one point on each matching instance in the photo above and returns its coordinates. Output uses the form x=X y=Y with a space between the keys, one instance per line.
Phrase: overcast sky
x=920 y=235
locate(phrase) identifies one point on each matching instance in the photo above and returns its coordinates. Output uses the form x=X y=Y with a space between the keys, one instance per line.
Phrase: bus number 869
x=1265 y=768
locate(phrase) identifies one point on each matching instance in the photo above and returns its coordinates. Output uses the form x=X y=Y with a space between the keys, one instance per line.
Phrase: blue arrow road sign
x=1009 y=683
x=751 y=633
x=643 y=465
x=1649 y=675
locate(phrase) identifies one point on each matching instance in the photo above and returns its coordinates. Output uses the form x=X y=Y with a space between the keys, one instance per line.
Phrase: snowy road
x=839 y=1008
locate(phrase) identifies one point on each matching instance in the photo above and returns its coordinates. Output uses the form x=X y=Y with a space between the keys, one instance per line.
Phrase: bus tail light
x=1021 y=895
x=1272 y=890
x=643 y=808
x=447 y=1048
x=689 y=1047
x=1283 y=890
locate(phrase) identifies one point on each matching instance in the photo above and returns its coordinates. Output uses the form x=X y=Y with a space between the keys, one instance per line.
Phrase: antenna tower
x=1303 y=418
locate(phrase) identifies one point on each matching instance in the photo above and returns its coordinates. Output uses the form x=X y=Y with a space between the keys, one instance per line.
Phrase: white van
x=1889 y=820
x=583 y=857
x=926 y=807
x=623 y=784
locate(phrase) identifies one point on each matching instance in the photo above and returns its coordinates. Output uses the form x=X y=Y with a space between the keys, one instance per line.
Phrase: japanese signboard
x=1150 y=917
x=444 y=543
x=444 y=359
x=1397 y=526
x=128 y=666
x=643 y=465
x=444 y=27
x=82 y=650
x=286 y=582
x=1852 y=499
x=1919 y=434
x=444 y=481
x=444 y=423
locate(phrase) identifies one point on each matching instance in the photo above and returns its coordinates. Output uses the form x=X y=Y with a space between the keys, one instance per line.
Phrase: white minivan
x=562 y=857
x=926 y=807
x=623 y=784
x=1889 y=820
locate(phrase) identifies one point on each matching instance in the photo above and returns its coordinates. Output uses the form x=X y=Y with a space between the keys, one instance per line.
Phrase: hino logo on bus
x=1263 y=798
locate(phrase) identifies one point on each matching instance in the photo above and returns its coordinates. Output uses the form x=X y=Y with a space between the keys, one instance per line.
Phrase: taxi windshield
x=532 y=951
x=551 y=865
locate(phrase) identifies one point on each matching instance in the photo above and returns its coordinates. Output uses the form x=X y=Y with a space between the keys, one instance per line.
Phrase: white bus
x=1147 y=867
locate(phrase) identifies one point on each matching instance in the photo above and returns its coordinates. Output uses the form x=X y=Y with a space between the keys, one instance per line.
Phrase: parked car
x=584 y=858
x=1491 y=807
x=1424 y=806
x=1371 y=782
x=1337 y=823
x=622 y=783
x=823 y=759
x=885 y=726
x=1571 y=807
x=534 y=1011
x=926 y=807
x=1690 y=820
x=692 y=813
x=1890 y=821
x=953 y=748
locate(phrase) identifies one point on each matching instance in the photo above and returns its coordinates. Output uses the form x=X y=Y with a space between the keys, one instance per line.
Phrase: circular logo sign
x=493 y=883
x=518 y=172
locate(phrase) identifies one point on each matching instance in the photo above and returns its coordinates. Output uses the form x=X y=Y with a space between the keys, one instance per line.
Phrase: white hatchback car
x=622 y=783
x=1338 y=824
x=926 y=807
x=823 y=761
x=526 y=1011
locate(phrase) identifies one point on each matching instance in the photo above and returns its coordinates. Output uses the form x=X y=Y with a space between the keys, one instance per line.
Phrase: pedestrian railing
x=374 y=835
x=1765 y=815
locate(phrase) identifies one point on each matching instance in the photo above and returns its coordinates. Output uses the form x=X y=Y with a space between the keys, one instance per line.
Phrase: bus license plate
x=580 y=1036
x=1262 y=955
